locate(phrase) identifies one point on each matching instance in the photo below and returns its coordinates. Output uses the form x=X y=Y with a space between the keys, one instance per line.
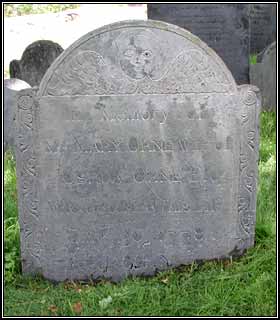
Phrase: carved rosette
x=248 y=167
x=27 y=180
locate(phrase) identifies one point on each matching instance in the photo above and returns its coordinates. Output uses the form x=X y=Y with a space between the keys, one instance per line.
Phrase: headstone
x=11 y=88
x=137 y=153
x=35 y=61
x=262 y=26
x=263 y=75
x=224 y=27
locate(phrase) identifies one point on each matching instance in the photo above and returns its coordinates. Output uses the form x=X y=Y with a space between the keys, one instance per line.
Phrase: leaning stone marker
x=263 y=75
x=11 y=88
x=137 y=153
x=35 y=61
x=224 y=27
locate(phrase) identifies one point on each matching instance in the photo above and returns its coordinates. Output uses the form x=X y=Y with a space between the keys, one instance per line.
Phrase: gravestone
x=35 y=61
x=262 y=26
x=11 y=88
x=224 y=27
x=138 y=153
x=263 y=75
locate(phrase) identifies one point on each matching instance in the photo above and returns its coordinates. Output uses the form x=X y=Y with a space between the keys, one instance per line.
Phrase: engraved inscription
x=134 y=144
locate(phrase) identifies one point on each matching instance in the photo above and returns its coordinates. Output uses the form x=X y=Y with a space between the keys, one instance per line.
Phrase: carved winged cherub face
x=137 y=54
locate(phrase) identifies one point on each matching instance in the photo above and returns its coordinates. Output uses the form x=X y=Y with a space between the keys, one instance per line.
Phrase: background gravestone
x=263 y=75
x=262 y=26
x=35 y=61
x=137 y=153
x=11 y=88
x=224 y=27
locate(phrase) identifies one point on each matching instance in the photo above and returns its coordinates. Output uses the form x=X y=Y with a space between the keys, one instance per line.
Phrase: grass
x=243 y=287
x=13 y=10
x=253 y=59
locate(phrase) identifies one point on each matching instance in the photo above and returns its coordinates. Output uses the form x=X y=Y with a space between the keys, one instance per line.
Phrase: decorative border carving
x=87 y=74
x=150 y=24
x=250 y=102
x=27 y=179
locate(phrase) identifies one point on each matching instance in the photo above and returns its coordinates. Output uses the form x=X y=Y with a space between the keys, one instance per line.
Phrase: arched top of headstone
x=35 y=60
x=128 y=57
x=43 y=45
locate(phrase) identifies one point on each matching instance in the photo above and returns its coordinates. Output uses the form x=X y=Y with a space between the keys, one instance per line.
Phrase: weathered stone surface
x=262 y=26
x=263 y=75
x=35 y=61
x=138 y=153
x=224 y=27
x=11 y=88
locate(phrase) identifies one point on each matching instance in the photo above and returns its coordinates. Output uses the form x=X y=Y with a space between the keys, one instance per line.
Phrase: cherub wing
x=189 y=72
x=87 y=73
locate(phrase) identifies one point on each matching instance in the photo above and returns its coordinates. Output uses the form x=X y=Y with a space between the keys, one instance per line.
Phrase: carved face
x=137 y=53
x=137 y=57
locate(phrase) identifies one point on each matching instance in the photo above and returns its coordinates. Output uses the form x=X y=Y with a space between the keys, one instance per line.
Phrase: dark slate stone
x=263 y=75
x=224 y=27
x=138 y=153
x=11 y=88
x=262 y=26
x=35 y=61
